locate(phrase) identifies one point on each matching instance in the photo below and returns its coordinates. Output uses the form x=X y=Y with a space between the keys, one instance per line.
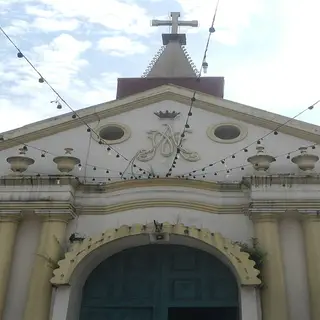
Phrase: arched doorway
x=160 y=282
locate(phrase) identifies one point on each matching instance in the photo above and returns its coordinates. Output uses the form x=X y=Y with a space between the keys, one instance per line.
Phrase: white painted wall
x=237 y=227
x=234 y=226
x=142 y=120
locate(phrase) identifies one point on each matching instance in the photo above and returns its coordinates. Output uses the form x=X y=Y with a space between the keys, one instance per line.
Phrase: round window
x=111 y=133
x=227 y=132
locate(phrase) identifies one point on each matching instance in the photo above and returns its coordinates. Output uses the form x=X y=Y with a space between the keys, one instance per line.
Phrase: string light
x=242 y=167
x=59 y=97
x=193 y=99
x=204 y=67
x=92 y=178
x=258 y=141
x=80 y=166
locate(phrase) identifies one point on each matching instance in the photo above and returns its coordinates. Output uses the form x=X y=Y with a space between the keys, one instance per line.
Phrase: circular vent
x=226 y=133
x=114 y=133
x=111 y=133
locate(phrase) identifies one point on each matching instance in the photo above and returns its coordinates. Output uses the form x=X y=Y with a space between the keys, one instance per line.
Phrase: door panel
x=117 y=313
x=145 y=281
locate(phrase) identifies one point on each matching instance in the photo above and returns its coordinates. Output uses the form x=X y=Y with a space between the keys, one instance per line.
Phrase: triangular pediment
x=203 y=101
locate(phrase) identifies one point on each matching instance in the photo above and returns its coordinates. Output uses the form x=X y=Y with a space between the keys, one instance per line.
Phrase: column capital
x=10 y=215
x=265 y=215
x=309 y=215
x=55 y=215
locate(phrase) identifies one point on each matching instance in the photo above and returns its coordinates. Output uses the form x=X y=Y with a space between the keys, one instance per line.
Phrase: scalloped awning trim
x=244 y=267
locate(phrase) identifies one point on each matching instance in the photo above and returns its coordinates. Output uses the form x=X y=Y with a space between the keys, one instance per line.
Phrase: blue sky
x=267 y=50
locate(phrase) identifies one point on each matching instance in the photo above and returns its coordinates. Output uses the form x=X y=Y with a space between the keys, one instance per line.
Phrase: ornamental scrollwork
x=167 y=142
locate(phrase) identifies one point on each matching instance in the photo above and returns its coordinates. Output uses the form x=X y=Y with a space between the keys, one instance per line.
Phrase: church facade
x=169 y=202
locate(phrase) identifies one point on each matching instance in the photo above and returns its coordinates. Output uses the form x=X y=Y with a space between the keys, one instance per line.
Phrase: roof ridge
x=172 y=60
x=153 y=61
x=192 y=64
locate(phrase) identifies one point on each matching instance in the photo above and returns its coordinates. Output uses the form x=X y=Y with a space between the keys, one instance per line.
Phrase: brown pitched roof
x=209 y=85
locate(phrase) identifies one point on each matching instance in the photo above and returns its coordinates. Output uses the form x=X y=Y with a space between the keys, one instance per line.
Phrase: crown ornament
x=167 y=114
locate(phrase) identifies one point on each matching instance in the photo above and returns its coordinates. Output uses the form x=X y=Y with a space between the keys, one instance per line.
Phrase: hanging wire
x=193 y=99
x=241 y=167
x=204 y=64
x=187 y=175
x=245 y=149
x=59 y=98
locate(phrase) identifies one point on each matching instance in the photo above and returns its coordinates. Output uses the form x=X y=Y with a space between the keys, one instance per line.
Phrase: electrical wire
x=75 y=114
x=258 y=141
x=187 y=176
x=193 y=98
x=228 y=170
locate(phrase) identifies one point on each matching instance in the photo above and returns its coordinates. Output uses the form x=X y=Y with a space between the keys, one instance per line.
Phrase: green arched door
x=160 y=282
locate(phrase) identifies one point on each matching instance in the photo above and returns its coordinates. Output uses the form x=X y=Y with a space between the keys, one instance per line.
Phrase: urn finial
x=261 y=161
x=305 y=161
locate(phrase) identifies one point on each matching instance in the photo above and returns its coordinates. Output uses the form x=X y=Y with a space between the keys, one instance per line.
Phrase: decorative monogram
x=167 y=141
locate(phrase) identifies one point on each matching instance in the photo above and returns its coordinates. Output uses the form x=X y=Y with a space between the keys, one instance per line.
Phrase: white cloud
x=233 y=16
x=38 y=11
x=128 y=18
x=121 y=46
x=17 y=27
x=47 y=24
x=60 y=62
x=287 y=81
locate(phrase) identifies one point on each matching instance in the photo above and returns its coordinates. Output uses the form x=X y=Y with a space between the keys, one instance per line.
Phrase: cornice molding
x=285 y=205
x=272 y=211
x=308 y=215
x=34 y=181
x=167 y=92
x=9 y=215
x=29 y=207
x=265 y=215
x=240 y=261
x=55 y=215
x=161 y=203
x=281 y=180
x=163 y=182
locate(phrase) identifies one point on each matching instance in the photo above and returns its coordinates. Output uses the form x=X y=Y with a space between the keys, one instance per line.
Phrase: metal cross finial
x=174 y=23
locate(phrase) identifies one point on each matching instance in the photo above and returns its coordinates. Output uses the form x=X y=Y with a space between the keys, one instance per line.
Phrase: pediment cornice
x=166 y=92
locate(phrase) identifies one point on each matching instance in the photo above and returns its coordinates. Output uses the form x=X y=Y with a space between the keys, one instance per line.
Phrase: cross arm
x=192 y=23
x=156 y=23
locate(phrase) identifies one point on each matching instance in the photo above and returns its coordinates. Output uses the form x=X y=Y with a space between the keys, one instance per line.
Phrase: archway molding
x=230 y=252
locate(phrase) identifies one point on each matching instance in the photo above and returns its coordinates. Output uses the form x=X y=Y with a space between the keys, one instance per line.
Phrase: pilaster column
x=311 y=228
x=273 y=294
x=49 y=252
x=9 y=220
